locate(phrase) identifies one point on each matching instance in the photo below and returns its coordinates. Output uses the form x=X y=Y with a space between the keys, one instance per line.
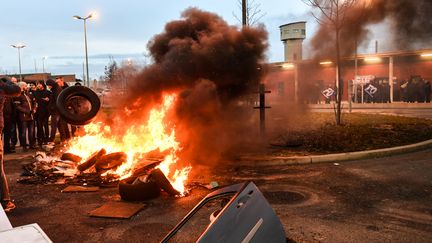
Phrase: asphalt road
x=376 y=200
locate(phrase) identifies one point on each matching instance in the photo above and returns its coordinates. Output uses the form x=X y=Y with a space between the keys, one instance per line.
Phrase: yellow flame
x=136 y=141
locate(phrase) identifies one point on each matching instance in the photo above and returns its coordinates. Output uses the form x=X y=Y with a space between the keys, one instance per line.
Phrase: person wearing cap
x=7 y=88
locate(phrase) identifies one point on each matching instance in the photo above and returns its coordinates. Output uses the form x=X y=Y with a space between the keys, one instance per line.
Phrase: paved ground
x=377 y=200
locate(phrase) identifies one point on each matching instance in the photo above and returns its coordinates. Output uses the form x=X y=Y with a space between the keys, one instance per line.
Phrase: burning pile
x=180 y=110
x=118 y=155
x=113 y=157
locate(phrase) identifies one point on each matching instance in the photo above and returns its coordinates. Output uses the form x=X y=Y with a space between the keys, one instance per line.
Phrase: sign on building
x=328 y=92
x=371 y=90
x=365 y=79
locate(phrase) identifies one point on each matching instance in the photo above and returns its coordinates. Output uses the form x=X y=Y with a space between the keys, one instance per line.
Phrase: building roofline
x=298 y=22
x=362 y=56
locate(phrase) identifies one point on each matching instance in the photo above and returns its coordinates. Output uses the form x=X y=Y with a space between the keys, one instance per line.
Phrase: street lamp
x=19 y=46
x=85 y=42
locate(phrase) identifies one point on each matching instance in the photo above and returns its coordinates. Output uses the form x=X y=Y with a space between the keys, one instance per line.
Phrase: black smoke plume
x=210 y=65
x=411 y=25
x=200 y=46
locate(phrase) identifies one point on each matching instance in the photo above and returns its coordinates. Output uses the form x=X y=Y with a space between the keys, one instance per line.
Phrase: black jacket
x=56 y=90
x=7 y=88
x=42 y=103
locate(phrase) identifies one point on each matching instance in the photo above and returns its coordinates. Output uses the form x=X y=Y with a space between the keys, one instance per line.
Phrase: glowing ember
x=136 y=140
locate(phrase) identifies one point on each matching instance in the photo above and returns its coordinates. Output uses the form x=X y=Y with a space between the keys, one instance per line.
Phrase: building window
x=303 y=31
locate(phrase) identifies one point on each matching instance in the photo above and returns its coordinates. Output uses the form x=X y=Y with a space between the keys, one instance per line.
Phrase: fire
x=136 y=141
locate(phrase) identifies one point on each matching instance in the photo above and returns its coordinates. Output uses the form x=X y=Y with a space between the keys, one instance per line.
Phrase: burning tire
x=132 y=189
x=162 y=182
x=78 y=105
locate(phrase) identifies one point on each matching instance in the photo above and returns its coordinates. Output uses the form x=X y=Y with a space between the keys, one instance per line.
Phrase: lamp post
x=19 y=46
x=85 y=42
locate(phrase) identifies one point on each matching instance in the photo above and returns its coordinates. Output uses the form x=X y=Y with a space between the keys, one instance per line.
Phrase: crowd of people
x=29 y=117
x=416 y=89
x=26 y=117
x=412 y=90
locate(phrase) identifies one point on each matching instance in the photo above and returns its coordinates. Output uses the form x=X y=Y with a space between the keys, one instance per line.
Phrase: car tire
x=139 y=191
x=74 y=118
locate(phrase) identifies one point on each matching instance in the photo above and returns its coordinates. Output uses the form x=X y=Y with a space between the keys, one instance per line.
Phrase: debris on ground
x=73 y=188
x=121 y=210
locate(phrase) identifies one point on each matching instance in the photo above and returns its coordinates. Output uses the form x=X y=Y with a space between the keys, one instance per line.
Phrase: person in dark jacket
x=31 y=85
x=15 y=121
x=427 y=91
x=7 y=88
x=63 y=125
x=56 y=121
x=26 y=107
x=42 y=96
x=9 y=113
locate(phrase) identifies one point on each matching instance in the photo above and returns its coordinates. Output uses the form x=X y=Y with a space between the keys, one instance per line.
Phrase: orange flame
x=136 y=141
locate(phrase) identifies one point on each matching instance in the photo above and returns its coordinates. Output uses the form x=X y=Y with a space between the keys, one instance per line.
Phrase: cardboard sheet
x=120 y=210
x=81 y=189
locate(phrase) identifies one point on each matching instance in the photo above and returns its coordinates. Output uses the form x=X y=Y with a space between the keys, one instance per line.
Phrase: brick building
x=305 y=80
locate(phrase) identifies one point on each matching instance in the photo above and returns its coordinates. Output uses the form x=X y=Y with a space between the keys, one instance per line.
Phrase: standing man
x=9 y=122
x=14 y=120
x=56 y=121
x=63 y=125
x=26 y=107
x=7 y=88
x=42 y=96
x=427 y=91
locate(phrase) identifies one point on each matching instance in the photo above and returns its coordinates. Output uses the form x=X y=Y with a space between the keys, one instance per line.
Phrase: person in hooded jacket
x=7 y=88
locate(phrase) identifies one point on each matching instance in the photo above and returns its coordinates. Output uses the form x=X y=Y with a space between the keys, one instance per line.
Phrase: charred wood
x=92 y=160
x=71 y=157
x=110 y=161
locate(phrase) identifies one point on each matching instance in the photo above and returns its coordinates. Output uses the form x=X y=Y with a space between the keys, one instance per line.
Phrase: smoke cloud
x=411 y=25
x=210 y=65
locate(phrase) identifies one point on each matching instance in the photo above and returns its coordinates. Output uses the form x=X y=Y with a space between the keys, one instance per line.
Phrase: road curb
x=293 y=160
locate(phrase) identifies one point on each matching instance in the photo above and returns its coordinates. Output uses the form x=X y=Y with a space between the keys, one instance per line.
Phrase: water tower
x=292 y=36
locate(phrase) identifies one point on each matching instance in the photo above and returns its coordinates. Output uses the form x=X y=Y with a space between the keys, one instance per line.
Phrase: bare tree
x=333 y=13
x=251 y=12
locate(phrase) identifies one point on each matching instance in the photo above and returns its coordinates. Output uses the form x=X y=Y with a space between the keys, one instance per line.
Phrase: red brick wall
x=403 y=69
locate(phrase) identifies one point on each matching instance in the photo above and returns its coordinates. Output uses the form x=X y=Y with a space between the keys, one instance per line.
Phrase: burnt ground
x=376 y=200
